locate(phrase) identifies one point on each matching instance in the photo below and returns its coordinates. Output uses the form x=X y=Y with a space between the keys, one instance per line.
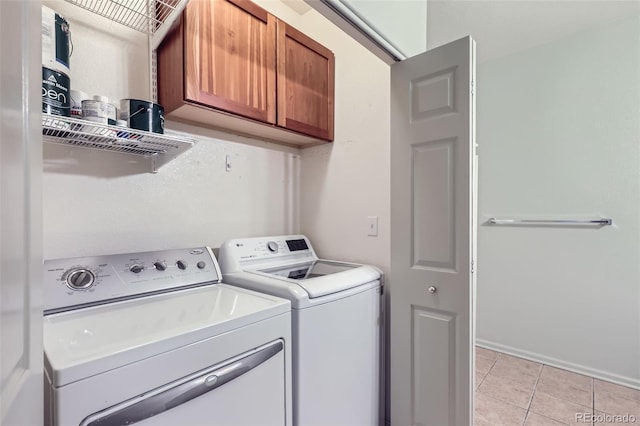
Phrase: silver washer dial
x=80 y=279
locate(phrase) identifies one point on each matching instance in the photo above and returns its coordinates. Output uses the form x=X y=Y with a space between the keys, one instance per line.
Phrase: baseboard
x=576 y=368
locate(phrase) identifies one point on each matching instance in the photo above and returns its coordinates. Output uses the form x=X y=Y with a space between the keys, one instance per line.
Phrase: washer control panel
x=256 y=248
x=85 y=281
x=247 y=253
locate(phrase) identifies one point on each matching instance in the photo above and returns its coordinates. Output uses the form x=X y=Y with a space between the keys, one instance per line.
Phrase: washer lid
x=322 y=277
x=86 y=342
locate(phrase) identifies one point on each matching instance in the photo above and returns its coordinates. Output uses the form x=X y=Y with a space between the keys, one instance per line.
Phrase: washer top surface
x=287 y=266
x=85 y=342
x=320 y=278
x=305 y=271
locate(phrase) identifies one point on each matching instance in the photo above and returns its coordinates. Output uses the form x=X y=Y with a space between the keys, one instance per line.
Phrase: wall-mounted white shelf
x=158 y=148
x=151 y=17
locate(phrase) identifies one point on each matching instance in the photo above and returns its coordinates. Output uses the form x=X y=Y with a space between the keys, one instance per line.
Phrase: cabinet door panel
x=230 y=57
x=305 y=84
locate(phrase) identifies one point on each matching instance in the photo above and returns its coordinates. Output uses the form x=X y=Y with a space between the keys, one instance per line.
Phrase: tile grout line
x=533 y=393
x=488 y=371
x=593 y=401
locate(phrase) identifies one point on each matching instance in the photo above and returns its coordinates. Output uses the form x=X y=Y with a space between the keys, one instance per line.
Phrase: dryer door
x=245 y=390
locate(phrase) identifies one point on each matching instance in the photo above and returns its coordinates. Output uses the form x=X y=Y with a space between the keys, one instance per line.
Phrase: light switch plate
x=372 y=226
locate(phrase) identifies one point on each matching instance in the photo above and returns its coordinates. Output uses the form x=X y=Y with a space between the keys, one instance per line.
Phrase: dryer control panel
x=85 y=281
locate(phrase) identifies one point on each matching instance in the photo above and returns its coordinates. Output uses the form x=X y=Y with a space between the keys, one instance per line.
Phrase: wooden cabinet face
x=230 y=57
x=227 y=59
x=305 y=84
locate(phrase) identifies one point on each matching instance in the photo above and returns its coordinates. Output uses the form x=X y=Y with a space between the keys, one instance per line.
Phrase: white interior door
x=433 y=181
x=20 y=214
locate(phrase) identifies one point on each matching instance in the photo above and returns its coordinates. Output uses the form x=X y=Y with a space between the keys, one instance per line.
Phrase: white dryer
x=336 y=319
x=155 y=338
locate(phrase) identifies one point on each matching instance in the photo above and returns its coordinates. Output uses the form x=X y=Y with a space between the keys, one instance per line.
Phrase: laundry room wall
x=558 y=131
x=344 y=182
x=101 y=202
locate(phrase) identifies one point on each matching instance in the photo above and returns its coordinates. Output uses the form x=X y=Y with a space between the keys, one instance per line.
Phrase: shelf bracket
x=154 y=164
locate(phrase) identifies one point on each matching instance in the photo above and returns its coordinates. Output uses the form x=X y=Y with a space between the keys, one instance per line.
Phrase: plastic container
x=77 y=96
x=98 y=111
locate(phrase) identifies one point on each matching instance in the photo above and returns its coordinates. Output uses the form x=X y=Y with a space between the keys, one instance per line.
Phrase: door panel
x=432 y=95
x=436 y=326
x=20 y=214
x=432 y=237
x=432 y=196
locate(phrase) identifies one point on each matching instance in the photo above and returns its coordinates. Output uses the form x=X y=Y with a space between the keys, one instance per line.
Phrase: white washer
x=155 y=338
x=336 y=318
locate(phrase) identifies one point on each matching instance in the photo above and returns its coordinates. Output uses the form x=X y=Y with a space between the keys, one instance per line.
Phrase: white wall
x=558 y=128
x=503 y=28
x=344 y=182
x=100 y=202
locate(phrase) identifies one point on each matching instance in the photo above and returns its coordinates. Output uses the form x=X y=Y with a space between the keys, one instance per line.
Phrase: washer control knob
x=160 y=266
x=201 y=264
x=80 y=279
x=181 y=264
x=136 y=269
x=272 y=246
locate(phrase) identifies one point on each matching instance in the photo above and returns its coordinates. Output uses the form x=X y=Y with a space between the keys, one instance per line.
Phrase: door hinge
x=473 y=267
x=473 y=87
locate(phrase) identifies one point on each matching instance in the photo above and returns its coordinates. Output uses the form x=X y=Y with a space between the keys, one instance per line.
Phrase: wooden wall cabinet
x=305 y=84
x=229 y=64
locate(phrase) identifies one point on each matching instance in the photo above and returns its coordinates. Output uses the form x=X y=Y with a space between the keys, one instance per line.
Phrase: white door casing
x=20 y=214
x=433 y=233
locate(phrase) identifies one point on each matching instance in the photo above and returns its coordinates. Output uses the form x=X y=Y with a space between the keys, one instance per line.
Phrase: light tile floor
x=513 y=391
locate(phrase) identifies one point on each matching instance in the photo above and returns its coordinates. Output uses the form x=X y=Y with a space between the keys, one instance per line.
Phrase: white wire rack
x=141 y=15
x=151 y=17
x=73 y=131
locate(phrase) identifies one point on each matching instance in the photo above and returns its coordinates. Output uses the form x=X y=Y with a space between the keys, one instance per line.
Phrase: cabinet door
x=230 y=57
x=305 y=84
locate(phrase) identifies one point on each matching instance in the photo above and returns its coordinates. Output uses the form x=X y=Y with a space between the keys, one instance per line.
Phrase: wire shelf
x=73 y=131
x=146 y=16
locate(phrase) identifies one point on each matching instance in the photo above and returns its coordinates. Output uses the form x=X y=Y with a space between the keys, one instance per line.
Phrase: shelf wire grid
x=145 y=16
x=72 y=131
